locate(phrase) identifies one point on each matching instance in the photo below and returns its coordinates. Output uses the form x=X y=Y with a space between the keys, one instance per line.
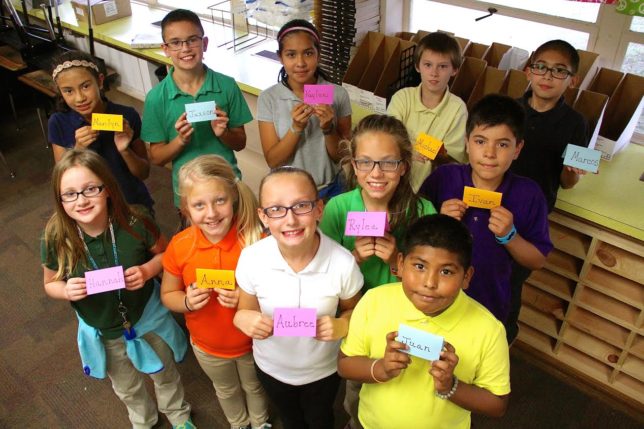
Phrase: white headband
x=73 y=63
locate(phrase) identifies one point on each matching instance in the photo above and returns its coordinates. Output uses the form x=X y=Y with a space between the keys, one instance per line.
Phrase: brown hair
x=180 y=15
x=562 y=47
x=441 y=43
x=61 y=105
x=287 y=169
x=312 y=32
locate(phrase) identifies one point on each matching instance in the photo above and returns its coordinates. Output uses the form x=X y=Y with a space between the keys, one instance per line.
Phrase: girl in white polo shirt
x=296 y=267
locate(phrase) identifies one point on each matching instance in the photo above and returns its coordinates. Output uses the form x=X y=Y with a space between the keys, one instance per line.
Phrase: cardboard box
x=102 y=10
x=570 y=95
x=475 y=50
x=588 y=65
x=605 y=81
x=419 y=35
x=366 y=51
x=467 y=76
x=622 y=113
x=591 y=105
x=494 y=53
x=515 y=84
x=462 y=42
x=490 y=82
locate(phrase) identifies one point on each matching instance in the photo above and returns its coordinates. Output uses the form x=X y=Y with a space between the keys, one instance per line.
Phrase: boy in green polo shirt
x=473 y=371
x=165 y=126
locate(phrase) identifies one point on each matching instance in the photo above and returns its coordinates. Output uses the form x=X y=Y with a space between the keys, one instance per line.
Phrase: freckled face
x=210 y=207
x=435 y=71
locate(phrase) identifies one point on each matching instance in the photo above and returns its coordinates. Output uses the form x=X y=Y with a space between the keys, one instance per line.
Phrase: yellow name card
x=475 y=197
x=106 y=122
x=221 y=279
x=427 y=145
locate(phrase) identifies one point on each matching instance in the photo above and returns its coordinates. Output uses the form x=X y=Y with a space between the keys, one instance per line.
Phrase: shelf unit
x=585 y=308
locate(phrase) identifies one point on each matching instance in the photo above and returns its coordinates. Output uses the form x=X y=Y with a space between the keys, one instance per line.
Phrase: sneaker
x=187 y=425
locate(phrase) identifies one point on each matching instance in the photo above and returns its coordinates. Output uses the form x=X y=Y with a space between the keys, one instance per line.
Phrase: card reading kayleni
x=421 y=344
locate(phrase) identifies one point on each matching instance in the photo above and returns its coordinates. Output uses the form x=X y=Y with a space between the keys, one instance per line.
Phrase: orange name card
x=210 y=279
x=427 y=145
x=475 y=197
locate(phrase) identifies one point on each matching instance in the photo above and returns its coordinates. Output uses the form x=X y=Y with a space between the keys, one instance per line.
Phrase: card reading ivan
x=104 y=280
x=428 y=146
x=421 y=344
x=366 y=224
x=210 y=279
x=199 y=112
x=107 y=122
x=475 y=197
x=318 y=94
x=294 y=322
x=582 y=158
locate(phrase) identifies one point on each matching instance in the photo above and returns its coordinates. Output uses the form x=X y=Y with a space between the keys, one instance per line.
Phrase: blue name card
x=421 y=344
x=582 y=158
x=198 y=112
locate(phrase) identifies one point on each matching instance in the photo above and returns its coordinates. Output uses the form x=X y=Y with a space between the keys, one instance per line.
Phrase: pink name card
x=294 y=322
x=104 y=280
x=366 y=224
x=318 y=94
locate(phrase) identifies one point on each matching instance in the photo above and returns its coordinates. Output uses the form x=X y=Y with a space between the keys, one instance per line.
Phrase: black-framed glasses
x=191 y=42
x=540 y=69
x=384 y=165
x=89 y=192
x=299 y=208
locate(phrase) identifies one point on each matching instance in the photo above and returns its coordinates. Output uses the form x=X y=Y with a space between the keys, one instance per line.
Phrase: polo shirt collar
x=556 y=112
x=505 y=185
x=210 y=84
x=225 y=244
x=447 y=320
x=319 y=264
x=284 y=93
x=420 y=107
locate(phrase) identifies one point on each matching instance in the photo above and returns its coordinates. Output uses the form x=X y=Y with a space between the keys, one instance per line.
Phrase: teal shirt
x=166 y=102
x=375 y=271
x=101 y=310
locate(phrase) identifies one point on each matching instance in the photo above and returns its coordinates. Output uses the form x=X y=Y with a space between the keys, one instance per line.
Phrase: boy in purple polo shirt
x=517 y=230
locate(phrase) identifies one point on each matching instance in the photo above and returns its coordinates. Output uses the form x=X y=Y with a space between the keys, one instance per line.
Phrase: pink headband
x=308 y=30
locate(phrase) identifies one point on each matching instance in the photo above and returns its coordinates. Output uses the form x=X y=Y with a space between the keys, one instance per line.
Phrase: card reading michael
x=104 y=280
x=199 y=112
x=294 y=322
x=421 y=344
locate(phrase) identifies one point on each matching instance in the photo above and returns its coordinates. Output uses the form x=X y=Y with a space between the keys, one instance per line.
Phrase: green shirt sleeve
x=152 y=127
x=333 y=223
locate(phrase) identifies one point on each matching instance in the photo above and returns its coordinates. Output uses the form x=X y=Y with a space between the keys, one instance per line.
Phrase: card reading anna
x=475 y=197
x=210 y=279
x=104 y=280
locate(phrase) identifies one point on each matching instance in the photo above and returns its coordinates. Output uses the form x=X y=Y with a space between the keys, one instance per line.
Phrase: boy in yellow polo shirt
x=473 y=371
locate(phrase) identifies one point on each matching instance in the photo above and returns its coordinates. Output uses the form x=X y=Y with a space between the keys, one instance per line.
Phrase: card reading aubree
x=294 y=322
x=104 y=280
x=421 y=344
x=318 y=94
x=107 y=122
x=199 y=112
x=427 y=145
x=366 y=224
x=582 y=158
x=475 y=197
x=210 y=279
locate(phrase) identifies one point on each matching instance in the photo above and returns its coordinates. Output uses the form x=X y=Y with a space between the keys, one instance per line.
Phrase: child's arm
x=454 y=208
x=332 y=136
x=524 y=252
x=161 y=154
x=468 y=396
x=73 y=289
x=570 y=176
x=136 y=276
x=277 y=152
x=234 y=138
x=367 y=370
x=334 y=328
x=84 y=137
x=133 y=151
x=180 y=300
x=250 y=320
x=385 y=248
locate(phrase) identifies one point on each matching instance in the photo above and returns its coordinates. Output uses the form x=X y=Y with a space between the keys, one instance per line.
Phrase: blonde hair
x=214 y=167
x=61 y=231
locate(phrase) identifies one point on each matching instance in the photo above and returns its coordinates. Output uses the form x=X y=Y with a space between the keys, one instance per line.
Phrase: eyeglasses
x=385 y=165
x=556 y=72
x=191 y=42
x=299 y=208
x=89 y=192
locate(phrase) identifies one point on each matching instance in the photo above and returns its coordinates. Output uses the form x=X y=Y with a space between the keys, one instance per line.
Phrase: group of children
x=456 y=274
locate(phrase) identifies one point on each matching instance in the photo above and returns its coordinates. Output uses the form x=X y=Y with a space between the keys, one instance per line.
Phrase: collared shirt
x=491 y=261
x=546 y=136
x=101 y=310
x=166 y=102
x=332 y=275
x=477 y=337
x=211 y=327
x=446 y=122
x=62 y=127
x=375 y=271
x=275 y=105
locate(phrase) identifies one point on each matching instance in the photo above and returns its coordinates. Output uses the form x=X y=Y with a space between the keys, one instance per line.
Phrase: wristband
x=451 y=391
x=506 y=238
x=297 y=133
x=373 y=376
x=185 y=302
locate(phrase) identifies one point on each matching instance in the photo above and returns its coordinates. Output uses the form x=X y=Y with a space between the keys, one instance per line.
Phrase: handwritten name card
x=294 y=322
x=199 y=112
x=104 y=280
x=582 y=158
x=107 y=122
x=318 y=94
x=427 y=145
x=366 y=224
x=210 y=279
x=475 y=197
x=421 y=344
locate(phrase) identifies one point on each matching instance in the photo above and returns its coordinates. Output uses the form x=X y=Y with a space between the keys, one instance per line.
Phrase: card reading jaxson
x=104 y=280
x=421 y=344
x=427 y=145
x=475 y=197
x=107 y=122
x=210 y=279
x=199 y=112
